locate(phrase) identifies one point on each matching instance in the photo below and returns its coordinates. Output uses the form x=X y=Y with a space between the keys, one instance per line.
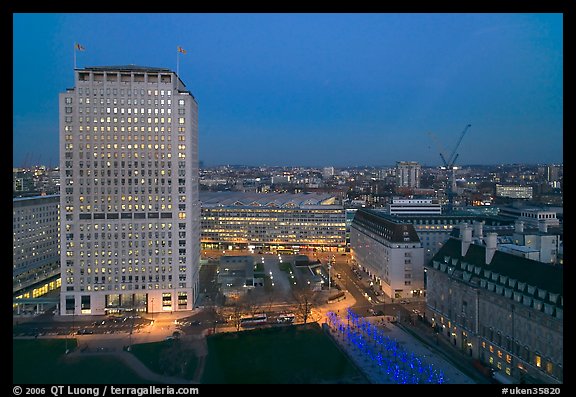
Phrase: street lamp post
x=329 y=277
x=152 y=310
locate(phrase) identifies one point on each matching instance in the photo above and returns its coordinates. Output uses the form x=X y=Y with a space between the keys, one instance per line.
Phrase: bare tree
x=250 y=303
x=271 y=298
x=236 y=316
x=304 y=300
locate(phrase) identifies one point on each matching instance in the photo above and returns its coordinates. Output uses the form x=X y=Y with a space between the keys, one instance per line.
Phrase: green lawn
x=171 y=358
x=259 y=267
x=43 y=361
x=285 y=267
x=292 y=354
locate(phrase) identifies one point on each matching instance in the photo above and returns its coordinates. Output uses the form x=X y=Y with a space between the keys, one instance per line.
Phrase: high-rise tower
x=130 y=215
x=408 y=174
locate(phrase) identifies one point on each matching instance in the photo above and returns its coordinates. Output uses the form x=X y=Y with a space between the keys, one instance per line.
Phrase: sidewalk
x=377 y=374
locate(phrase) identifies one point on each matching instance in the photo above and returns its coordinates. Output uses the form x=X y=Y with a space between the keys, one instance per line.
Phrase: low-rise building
x=414 y=206
x=35 y=243
x=270 y=221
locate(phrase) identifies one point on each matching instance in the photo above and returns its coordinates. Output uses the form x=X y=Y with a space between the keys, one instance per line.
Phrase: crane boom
x=449 y=166
x=453 y=155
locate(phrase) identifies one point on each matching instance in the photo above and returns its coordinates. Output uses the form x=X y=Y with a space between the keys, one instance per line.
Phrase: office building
x=272 y=221
x=502 y=309
x=390 y=251
x=533 y=216
x=414 y=206
x=514 y=191
x=434 y=230
x=408 y=174
x=129 y=192
x=327 y=172
x=35 y=242
x=541 y=244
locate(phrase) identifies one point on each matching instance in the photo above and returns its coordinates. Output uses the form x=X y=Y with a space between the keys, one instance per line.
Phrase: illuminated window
x=538 y=361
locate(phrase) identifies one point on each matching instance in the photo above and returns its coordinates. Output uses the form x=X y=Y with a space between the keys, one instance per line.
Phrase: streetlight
x=152 y=310
x=329 y=278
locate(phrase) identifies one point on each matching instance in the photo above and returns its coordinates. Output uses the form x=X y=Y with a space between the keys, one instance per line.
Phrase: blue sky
x=317 y=89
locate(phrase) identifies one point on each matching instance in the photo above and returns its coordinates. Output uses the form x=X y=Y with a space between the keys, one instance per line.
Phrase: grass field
x=164 y=358
x=300 y=354
x=43 y=361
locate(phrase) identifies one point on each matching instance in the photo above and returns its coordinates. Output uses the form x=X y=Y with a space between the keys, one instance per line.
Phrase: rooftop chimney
x=491 y=246
x=478 y=229
x=463 y=226
x=466 y=235
x=543 y=226
x=519 y=226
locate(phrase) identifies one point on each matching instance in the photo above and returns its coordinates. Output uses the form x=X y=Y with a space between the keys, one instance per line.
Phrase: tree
x=250 y=303
x=237 y=314
x=304 y=300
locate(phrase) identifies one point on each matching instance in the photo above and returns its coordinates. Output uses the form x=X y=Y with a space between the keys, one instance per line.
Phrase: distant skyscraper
x=408 y=174
x=130 y=221
x=553 y=174
x=328 y=172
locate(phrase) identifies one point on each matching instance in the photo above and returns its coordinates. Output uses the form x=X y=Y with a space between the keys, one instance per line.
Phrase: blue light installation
x=399 y=365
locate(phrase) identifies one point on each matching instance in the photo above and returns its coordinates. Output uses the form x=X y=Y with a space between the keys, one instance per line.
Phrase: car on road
x=85 y=332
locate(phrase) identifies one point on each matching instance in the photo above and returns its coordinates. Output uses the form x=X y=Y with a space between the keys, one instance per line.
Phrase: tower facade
x=408 y=174
x=130 y=215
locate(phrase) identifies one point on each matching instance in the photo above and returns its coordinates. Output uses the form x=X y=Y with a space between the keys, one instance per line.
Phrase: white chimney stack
x=466 y=233
x=519 y=226
x=543 y=226
x=491 y=246
x=463 y=226
x=478 y=229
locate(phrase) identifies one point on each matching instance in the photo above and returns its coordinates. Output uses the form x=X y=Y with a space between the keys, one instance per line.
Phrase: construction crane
x=449 y=165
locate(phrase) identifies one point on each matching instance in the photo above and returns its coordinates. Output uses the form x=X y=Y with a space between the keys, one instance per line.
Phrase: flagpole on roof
x=178 y=51
x=77 y=47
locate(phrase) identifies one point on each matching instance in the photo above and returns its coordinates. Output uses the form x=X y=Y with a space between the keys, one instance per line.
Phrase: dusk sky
x=317 y=89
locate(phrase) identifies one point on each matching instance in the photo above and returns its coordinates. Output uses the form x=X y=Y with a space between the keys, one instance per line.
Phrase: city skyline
x=318 y=89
